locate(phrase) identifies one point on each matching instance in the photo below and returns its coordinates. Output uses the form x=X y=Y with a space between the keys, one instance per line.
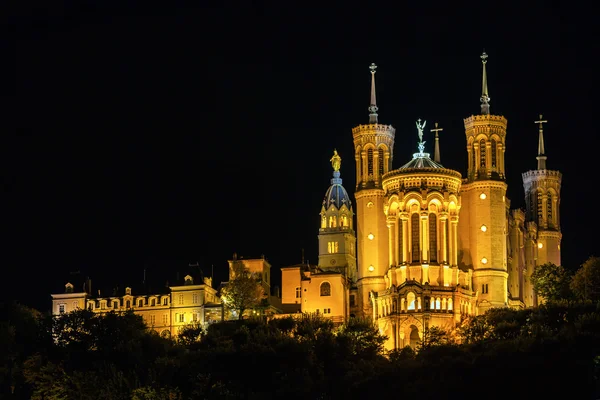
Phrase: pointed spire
x=373 y=106
x=485 y=98
x=436 y=154
x=541 y=157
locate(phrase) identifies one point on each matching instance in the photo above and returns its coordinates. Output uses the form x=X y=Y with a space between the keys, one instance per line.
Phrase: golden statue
x=336 y=161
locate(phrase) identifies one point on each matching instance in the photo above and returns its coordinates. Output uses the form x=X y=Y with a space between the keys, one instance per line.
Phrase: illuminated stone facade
x=433 y=247
x=165 y=313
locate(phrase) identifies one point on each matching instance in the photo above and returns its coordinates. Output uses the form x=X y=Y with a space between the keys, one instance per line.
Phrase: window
x=323 y=222
x=432 y=237
x=352 y=300
x=380 y=162
x=332 y=247
x=61 y=308
x=482 y=153
x=493 y=150
x=152 y=319
x=484 y=288
x=370 y=161
x=195 y=298
x=153 y=302
x=165 y=301
x=75 y=305
x=194 y=317
x=140 y=303
x=539 y=208
x=115 y=304
x=128 y=303
x=165 y=319
x=103 y=305
x=410 y=299
x=180 y=299
x=327 y=311
x=414 y=222
x=325 y=289
x=181 y=318
x=438 y=304
x=549 y=209
x=332 y=221
x=298 y=292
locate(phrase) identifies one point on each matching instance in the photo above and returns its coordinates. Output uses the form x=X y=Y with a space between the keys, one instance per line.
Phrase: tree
x=551 y=282
x=243 y=291
x=433 y=336
x=586 y=281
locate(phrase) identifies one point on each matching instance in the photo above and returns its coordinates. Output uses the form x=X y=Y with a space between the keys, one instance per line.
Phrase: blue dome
x=336 y=194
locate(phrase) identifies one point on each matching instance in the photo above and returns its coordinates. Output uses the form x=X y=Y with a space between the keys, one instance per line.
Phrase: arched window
x=410 y=301
x=414 y=227
x=549 y=209
x=473 y=158
x=482 y=153
x=400 y=241
x=140 y=303
x=325 y=289
x=438 y=304
x=380 y=162
x=433 y=237
x=449 y=304
x=540 y=208
x=370 y=161
x=493 y=150
x=128 y=304
x=153 y=303
x=332 y=221
x=323 y=221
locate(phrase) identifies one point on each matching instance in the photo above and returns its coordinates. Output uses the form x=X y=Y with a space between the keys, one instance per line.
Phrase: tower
x=483 y=197
x=337 y=241
x=373 y=151
x=542 y=199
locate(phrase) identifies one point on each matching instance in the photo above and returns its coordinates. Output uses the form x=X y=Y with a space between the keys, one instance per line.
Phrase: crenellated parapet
x=486 y=124
x=548 y=176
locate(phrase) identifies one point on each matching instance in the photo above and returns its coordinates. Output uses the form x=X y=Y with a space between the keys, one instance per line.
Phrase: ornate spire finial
x=436 y=154
x=420 y=127
x=541 y=157
x=373 y=106
x=485 y=98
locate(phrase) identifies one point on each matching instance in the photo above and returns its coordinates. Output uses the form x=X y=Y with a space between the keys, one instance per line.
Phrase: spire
x=373 y=106
x=541 y=157
x=436 y=154
x=485 y=98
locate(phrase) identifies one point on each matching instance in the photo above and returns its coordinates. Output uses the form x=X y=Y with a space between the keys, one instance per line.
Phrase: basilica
x=430 y=245
x=419 y=246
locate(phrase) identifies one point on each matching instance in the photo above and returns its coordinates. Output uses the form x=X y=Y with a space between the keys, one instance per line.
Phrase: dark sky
x=148 y=137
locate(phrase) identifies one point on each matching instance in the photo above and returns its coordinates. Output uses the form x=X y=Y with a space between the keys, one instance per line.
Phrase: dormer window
x=69 y=288
x=189 y=280
x=128 y=291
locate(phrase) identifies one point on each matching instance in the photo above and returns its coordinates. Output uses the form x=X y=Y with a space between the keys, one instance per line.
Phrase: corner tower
x=542 y=200
x=373 y=152
x=484 y=204
x=337 y=241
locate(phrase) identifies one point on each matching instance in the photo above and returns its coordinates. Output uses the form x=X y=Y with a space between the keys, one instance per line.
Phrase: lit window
x=61 y=308
x=180 y=299
x=152 y=319
x=482 y=196
x=484 y=260
x=195 y=298
x=165 y=319
x=325 y=289
x=483 y=228
x=332 y=247
x=410 y=300
x=181 y=318
x=298 y=292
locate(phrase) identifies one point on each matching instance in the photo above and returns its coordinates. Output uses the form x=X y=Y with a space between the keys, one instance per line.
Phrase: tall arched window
x=370 y=161
x=323 y=221
x=325 y=289
x=493 y=150
x=410 y=301
x=482 y=153
x=549 y=209
x=540 y=208
x=433 y=237
x=473 y=164
x=414 y=227
x=380 y=162
x=400 y=241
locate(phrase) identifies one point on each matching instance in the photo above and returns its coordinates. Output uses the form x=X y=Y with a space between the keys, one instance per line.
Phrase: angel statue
x=420 y=128
x=336 y=161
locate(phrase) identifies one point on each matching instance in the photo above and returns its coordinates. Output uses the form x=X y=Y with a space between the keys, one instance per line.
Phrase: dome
x=336 y=194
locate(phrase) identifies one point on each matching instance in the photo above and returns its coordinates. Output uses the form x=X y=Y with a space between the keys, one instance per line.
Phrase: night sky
x=147 y=137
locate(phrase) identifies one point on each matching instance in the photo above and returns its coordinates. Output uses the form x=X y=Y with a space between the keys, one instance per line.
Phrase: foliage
x=190 y=334
x=243 y=291
x=586 y=281
x=433 y=336
x=551 y=282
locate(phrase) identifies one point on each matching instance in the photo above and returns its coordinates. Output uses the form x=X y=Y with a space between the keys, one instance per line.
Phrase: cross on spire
x=436 y=154
x=373 y=106
x=485 y=97
x=541 y=157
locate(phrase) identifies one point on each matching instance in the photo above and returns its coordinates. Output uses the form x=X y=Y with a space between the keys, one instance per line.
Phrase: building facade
x=432 y=246
x=166 y=313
